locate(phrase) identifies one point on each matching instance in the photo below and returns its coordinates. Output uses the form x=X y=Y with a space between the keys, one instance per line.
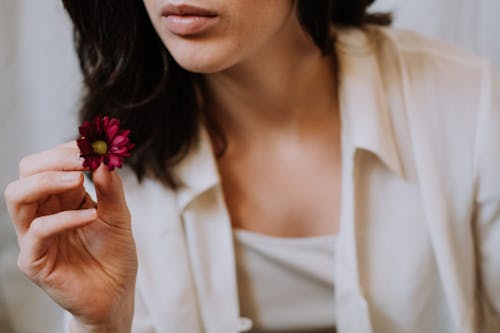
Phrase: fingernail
x=69 y=177
x=87 y=213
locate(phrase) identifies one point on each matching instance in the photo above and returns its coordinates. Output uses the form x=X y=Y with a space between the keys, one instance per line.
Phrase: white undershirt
x=286 y=284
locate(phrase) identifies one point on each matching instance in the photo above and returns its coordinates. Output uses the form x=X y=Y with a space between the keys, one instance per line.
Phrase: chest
x=291 y=192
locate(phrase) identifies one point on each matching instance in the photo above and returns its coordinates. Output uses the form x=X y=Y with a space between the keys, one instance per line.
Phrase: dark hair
x=129 y=74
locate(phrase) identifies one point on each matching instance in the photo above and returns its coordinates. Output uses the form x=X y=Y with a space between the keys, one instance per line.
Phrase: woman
x=299 y=168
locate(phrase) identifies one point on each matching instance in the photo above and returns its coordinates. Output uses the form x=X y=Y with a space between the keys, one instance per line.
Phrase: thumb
x=111 y=203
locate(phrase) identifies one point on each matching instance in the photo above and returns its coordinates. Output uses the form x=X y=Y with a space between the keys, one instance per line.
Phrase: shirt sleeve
x=487 y=213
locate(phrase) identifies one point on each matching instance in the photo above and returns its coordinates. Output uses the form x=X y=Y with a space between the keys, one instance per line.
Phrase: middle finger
x=27 y=192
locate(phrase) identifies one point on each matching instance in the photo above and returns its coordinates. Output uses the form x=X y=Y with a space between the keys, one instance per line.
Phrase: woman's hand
x=81 y=253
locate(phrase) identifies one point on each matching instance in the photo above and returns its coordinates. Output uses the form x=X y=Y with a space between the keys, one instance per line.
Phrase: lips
x=186 y=10
x=186 y=20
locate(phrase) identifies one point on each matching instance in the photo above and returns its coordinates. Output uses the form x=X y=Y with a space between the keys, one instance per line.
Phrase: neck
x=287 y=84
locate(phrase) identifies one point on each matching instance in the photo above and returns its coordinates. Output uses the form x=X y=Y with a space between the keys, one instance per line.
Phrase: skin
x=80 y=252
x=273 y=93
x=274 y=96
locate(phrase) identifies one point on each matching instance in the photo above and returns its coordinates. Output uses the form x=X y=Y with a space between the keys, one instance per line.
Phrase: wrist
x=119 y=323
x=78 y=327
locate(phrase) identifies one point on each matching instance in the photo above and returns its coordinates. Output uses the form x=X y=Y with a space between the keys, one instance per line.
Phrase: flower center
x=100 y=147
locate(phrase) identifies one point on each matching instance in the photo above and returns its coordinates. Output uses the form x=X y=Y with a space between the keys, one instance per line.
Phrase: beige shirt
x=419 y=242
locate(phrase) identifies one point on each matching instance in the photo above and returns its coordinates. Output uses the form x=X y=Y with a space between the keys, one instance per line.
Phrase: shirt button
x=244 y=324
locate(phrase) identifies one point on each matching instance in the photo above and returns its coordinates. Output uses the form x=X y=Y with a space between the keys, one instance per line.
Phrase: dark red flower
x=102 y=141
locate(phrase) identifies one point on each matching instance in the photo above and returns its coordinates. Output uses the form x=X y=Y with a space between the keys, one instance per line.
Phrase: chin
x=201 y=67
x=201 y=56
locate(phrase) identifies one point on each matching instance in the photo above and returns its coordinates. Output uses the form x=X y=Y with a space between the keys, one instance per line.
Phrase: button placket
x=353 y=309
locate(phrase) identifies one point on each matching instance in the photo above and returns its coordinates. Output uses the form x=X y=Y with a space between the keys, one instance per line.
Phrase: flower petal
x=86 y=129
x=114 y=161
x=112 y=131
x=105 y=122
x=120 y=141
x=117 y=150
x=95 y=161
x=98 y=125
x=85 y=146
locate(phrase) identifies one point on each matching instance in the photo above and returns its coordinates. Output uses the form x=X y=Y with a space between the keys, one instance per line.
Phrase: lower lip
x=189 y=25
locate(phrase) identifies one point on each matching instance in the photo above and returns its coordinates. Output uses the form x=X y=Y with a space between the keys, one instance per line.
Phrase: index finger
x=65 y=157
x=69 y=144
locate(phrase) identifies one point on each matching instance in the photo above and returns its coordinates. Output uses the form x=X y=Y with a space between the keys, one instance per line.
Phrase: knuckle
x=45 y=179
x=24 y=165
x=7 y=193
x=26 y=267
x=10 y=193
x=37 y=227
x=21 y=264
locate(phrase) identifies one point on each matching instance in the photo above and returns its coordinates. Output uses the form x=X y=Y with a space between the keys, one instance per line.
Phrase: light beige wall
x=39 y=82
x=471 y=24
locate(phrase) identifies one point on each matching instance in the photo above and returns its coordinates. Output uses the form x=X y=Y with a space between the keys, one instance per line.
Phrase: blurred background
x=40 y=86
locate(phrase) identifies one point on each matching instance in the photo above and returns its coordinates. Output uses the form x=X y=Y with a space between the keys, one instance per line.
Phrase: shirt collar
x=365 y=117
x=363 y=104
x=198 y=171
